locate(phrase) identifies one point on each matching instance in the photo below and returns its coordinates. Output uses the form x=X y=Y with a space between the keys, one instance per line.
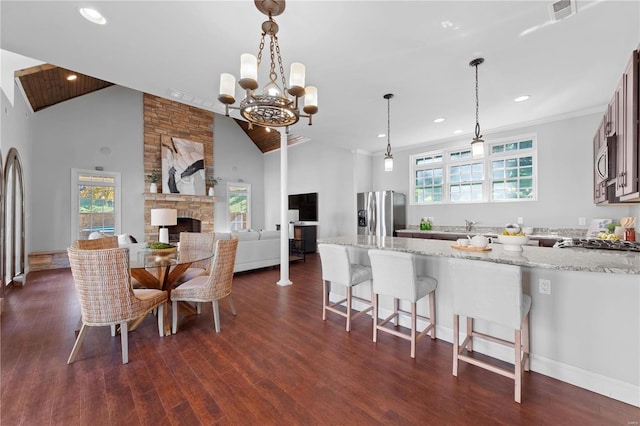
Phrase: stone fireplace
x=165 y=118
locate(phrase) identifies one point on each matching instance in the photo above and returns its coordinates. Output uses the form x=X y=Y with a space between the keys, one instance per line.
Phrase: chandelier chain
x=284 y=83
x=260 y=49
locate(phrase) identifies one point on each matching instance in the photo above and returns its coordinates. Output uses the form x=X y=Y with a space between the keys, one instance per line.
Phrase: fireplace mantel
x=178 y=198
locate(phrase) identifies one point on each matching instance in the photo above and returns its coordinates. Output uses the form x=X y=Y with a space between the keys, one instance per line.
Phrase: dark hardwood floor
x=276 y=362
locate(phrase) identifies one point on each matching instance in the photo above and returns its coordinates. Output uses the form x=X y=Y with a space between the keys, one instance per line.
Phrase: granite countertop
x=568 y=259
x=539 y=233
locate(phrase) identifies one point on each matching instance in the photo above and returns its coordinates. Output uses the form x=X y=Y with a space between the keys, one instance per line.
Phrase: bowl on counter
x=513 y=242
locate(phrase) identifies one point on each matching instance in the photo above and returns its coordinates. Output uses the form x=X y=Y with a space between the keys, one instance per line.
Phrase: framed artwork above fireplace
x=183 y=168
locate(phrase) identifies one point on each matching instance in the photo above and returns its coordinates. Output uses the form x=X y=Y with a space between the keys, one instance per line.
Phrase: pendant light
x=388 y=158
x=477 y=144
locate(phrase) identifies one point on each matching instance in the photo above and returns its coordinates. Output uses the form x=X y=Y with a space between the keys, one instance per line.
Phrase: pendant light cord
x=389 y=125
x=478 y=135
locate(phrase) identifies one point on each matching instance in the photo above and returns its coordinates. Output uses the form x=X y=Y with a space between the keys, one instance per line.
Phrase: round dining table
x=161 y=270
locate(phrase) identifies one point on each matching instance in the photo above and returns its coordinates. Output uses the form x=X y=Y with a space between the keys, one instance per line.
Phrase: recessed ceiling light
x=72 y=77
x=92 y=15
x=438 y=120
x=381 y=135
x=522 y=98
x=457 y=132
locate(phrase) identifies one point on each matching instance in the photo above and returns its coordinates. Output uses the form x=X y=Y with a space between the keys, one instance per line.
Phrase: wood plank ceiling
x=47 y=85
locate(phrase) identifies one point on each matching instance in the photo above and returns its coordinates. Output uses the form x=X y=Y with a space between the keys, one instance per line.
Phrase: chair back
x=98 y=243
x=198 y=241
x=220 y=276
x=336 y=263
x=394 y=274
x=103 y=285
x=489 y=291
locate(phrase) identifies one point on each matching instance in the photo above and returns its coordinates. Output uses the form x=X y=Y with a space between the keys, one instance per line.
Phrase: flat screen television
x=307 y=206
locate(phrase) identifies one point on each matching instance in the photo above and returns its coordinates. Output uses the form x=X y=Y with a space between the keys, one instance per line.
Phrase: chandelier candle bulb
x=227 y=88
x=248 y=72
x=296 y=79
x=311 y=100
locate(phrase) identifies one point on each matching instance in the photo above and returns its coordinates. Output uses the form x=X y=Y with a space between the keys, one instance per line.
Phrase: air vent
x=562 y=9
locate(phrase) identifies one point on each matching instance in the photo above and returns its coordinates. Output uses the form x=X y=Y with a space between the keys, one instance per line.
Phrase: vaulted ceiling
x=355 y=52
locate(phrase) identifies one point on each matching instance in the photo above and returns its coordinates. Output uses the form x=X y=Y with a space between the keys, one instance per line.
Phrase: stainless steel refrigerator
x=381 y=213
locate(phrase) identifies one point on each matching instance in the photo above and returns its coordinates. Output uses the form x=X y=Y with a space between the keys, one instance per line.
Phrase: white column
x=284 y=208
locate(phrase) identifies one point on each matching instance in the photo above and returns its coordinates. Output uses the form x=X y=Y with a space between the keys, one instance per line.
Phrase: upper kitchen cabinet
x=627 y=134
x=616 y=144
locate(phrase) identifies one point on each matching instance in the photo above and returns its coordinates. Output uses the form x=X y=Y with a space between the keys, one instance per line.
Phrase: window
x=428 y=178
x=465 y=177
x=239 y=196
x=508 y=173
x=95 y=203
x=512 y=171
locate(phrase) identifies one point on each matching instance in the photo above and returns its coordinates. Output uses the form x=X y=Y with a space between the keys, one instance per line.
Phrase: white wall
x=237 y=159
x=565 y=181
x=315 y=167
x=103 y=128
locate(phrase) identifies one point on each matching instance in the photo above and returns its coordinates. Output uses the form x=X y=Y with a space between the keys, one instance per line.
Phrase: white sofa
x=256 y=249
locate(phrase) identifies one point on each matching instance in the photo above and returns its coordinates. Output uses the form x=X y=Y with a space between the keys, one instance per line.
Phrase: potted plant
x=154 y=177
x=212 y=181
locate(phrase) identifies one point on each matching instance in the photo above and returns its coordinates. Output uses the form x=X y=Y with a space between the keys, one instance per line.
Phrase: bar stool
x=394 y=275
x=338 y=269
x=491 y=292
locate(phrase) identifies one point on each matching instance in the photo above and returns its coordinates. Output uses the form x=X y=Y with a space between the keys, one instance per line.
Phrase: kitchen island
x=585 y=331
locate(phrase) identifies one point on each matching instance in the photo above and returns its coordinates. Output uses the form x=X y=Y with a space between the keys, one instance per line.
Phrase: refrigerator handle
x=372 y=214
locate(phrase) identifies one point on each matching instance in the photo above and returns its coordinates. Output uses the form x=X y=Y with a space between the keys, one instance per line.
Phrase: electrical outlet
x=520 y=220
x=545 y=286
x=582 y=221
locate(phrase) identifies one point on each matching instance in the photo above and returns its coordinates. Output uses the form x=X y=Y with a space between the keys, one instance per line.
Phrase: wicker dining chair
x=103 y=285
x=212 y=287
x=97 y=244
x=196 y=241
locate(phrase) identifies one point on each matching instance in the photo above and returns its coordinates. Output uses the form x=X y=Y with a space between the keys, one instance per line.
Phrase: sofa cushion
x=222 y=236
x=269 y=235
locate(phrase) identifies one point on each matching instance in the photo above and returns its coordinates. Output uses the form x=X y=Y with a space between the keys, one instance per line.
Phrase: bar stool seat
x=394 y=275
x=491 y=292
x=338 y=269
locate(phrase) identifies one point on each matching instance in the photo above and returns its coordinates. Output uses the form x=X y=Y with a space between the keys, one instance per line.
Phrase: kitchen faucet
x=468 y=224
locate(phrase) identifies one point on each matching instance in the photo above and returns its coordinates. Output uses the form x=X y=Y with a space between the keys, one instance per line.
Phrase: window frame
x=487 y=163
x=117 y=199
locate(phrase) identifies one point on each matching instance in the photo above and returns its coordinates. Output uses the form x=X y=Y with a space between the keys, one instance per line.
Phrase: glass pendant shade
x=388 y=163
x=477 y=148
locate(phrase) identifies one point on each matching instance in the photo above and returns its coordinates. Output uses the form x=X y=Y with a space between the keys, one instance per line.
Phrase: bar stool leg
x=414 y=324
x=469 y=333
x=349 y=308
x=432 y=313
x=518 y=366
x=525 y=337
x=396 y=306
x=456 y=341
x=375 y=317
x=325 y=298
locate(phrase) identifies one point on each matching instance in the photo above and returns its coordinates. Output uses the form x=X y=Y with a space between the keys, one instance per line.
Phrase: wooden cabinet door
x=627 y=135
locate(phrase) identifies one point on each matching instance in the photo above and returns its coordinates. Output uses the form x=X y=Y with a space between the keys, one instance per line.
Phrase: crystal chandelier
x=388 y=158
x=477 y=144
x=272 y=106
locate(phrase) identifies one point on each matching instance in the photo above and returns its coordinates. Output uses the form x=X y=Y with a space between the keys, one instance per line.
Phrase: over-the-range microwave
x=605 y=164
